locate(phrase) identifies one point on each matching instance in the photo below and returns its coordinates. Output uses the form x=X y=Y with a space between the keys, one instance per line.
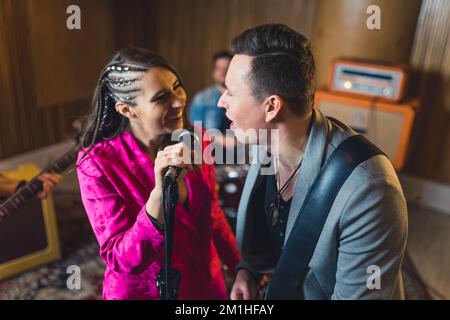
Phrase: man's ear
x=273 y=106
x=125 y=110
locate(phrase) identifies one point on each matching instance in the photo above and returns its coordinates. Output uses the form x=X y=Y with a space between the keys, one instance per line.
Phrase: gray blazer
x=366 y=226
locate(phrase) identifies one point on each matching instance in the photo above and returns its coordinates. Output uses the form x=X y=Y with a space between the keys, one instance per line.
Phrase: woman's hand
x=176 y=155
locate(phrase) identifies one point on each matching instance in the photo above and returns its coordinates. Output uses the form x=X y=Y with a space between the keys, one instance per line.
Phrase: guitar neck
x=63 y=162
x=19 y=198
x=34 y=186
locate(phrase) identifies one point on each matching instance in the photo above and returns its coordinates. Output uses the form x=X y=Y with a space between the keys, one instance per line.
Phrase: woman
x=138 y=103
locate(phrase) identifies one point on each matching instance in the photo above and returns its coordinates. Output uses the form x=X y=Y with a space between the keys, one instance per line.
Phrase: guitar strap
x=290 y=271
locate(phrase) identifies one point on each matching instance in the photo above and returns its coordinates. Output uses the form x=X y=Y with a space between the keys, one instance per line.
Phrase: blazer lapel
x=139 y=162
x=252 y=181
x=312 y=162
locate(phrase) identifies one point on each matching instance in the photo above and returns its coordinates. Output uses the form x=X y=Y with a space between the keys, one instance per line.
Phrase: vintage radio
x=368 y=79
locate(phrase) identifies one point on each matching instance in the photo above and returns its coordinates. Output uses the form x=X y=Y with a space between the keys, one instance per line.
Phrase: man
x=204 y=104
x=271 y=78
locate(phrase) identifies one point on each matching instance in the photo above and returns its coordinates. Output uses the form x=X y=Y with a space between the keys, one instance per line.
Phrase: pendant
x=275 y=215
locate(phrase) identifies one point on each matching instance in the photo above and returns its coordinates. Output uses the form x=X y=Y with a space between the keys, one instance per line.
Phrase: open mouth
x=232 y=124
x=177 y=116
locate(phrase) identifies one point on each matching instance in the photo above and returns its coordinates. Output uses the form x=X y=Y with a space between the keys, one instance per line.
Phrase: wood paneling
x=66 y=62
x=43 y=65
x=134 y=22
x=430 y=60
x=188 y=33
x=340 y=30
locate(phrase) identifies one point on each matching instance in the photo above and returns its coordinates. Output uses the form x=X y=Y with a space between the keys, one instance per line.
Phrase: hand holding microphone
x=188 y=140
x=172 y=163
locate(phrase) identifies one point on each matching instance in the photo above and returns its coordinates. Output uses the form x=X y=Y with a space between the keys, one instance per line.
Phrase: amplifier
x=385 y=124
x=29 y=236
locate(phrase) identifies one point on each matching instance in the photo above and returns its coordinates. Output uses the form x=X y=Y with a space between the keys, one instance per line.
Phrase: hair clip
x=121 y=82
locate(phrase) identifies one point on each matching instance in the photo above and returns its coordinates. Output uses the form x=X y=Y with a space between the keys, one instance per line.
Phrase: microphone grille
x=189 y=138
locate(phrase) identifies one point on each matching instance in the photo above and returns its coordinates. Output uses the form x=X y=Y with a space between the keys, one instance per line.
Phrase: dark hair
x=118 y=82
x=282 y=64
x=221 y=55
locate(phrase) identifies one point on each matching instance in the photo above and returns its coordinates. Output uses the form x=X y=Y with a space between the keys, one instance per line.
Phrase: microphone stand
x=169 y=279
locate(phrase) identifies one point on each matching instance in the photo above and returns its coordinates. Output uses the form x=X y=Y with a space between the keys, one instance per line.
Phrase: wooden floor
x=429 y=249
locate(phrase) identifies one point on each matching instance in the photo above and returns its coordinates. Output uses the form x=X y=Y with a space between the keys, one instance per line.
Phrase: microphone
x=190 y=139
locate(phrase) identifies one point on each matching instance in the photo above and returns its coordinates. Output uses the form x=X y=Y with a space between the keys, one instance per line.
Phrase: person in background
x=9 y=186
x=204 y=109
x=204 y=104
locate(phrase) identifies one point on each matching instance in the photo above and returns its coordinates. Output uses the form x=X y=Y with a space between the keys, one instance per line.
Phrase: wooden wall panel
x=430 y=60
x=134 y=22
x=5 y=72
x=45 y=67
x=188 y=33
x=66 y=62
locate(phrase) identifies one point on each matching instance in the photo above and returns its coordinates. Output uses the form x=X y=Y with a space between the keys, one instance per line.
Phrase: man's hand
x=50 y=180
x=244 y=287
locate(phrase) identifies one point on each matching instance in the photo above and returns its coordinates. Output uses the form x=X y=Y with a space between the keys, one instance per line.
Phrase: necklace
x=275 y=206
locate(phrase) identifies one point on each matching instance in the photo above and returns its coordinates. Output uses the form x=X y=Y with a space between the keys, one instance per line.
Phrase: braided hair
x=118 y=82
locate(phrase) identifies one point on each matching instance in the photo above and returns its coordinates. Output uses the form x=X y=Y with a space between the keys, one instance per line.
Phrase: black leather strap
x=292 y=265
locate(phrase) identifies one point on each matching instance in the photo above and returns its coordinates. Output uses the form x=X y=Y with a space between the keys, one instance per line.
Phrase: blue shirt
x=204 y=108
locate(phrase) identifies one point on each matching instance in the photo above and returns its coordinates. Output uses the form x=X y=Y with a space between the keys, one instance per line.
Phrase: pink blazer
x=116 y=178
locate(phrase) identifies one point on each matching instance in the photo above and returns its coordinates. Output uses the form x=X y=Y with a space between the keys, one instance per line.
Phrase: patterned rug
x=78 y=247
x=50 y=281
